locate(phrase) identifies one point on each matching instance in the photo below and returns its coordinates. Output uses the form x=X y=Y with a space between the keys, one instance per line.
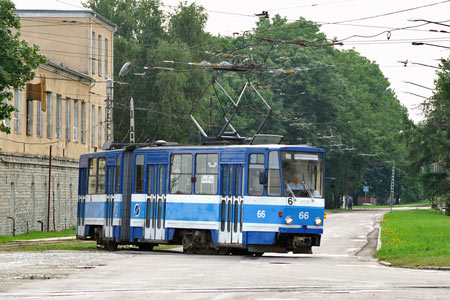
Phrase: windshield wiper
x=308 y=190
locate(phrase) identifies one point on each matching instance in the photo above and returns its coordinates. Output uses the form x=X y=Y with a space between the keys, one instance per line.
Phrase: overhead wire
x=391 y=13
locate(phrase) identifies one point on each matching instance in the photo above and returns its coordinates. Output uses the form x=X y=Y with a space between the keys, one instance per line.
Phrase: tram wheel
x=187 y=245
x=223 y=251
x=145 y=247
x=110 y=245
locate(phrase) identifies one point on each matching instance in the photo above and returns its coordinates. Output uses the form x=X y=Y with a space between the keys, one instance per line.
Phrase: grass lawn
x=414 y=204
x=415 y=238
x=32 y=235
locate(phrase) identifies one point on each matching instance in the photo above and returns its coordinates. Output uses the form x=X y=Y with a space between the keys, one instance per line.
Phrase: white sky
x=226 y=17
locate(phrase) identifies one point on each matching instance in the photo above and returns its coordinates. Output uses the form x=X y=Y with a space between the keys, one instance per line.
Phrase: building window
x=30 y=117
x=68 y=118
x=93 y=53
x=75 y=120
x=17 y=114
x=206 y=174
x=49 y=115
x=181 y=174
x=6 y=122
x=255 y=167
x=83 y=122
x=99 y=55
x=39 y=119
x=106 y=58
x=58 y=116
x=93 y=126
x=100 y=126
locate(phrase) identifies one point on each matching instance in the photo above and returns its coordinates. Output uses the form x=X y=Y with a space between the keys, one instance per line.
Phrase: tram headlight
x=289 y=220
x=318 y=221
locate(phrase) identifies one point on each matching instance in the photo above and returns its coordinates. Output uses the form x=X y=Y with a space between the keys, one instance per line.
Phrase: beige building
x=70 y=121
x=78 y=46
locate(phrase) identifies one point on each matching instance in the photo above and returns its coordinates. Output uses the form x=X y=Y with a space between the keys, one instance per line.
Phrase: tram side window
x=206 y=174
x=139 y=174
x=92 y=176
x=180 y=174
x=255 y=167
x=274 y=179
x=101 y=175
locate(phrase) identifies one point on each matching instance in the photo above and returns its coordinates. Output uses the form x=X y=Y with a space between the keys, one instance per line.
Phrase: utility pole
x=109 y=110
x=391 y=194
x=49 y=187
x=131 y=120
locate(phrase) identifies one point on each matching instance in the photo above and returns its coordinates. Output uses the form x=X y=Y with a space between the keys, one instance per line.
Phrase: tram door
x=232 y=204
x=155 y=217
x=82 y=191
x=109 y=211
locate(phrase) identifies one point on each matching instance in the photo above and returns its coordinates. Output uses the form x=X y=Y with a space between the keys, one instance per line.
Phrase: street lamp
x=426 y=21
x=124 y=71
x=405 y=63
x=434 y=45
x=419 y=85
x=415 y=95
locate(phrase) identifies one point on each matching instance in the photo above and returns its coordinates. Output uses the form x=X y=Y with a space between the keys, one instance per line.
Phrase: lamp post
x=419 y=64
x=428 y=44
x=427 y=21
x=124 y=71
x=419 y=85
x=415 y=95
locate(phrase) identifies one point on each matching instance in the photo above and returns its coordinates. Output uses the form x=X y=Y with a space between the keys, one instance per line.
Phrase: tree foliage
x=429 y=141
x=340 y=101
x=17 y=59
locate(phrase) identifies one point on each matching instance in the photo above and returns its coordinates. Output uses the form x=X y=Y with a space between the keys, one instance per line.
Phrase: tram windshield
x=302 y=173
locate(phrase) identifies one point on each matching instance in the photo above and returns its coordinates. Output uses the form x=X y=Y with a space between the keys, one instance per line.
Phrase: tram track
x=231 y=290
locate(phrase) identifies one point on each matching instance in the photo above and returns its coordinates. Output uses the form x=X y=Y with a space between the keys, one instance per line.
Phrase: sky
x=367 y=26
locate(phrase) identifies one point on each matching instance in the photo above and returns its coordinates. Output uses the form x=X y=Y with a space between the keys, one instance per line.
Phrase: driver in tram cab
x=296 y=187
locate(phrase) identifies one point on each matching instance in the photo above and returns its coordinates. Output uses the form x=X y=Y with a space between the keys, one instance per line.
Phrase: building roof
x=36 y=13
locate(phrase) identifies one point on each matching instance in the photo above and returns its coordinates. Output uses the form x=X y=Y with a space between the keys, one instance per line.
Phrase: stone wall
x=24 y=193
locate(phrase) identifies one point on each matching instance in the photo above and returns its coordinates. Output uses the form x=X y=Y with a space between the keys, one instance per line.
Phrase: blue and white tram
x=241 y=198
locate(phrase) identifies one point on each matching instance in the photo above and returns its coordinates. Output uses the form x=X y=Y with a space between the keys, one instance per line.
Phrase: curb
x=434 y=268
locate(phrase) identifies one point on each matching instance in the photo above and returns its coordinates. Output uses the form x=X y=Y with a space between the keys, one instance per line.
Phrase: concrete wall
x=24 y=192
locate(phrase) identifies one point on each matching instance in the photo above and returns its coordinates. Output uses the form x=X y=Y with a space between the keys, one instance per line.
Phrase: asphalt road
x=342 y=268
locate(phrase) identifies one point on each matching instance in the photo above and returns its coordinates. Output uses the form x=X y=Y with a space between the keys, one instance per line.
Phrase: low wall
x=24 y=193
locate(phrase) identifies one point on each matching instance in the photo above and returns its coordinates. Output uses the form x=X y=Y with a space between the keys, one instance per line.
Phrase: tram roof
x=261 y=146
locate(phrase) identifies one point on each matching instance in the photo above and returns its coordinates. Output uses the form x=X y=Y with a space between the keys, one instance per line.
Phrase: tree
x=17 y=59
x=146 y=37
x=430 y=141
x=340 y=101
